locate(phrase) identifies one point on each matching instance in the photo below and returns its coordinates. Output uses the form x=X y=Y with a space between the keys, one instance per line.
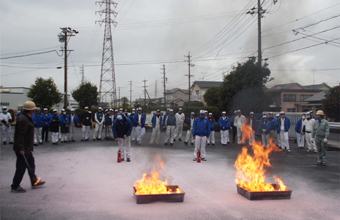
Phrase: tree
x=44 y=93
x=212 y=96
x=243 y=88
x=86 y=94
x=331 y=104
x=125 y=103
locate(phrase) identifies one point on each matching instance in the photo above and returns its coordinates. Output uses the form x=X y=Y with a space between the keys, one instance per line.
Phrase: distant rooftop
x=207 y=84
x=317 y=97
x=297 y=86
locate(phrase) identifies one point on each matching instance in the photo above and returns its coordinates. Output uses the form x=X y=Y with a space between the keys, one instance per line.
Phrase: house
x=314 y=103
x=199 y=88
x=292 y=97
x=176 y=97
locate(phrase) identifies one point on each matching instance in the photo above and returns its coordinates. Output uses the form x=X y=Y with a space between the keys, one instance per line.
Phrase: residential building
x=199 y=88
x=292 y=97
x=176 y=97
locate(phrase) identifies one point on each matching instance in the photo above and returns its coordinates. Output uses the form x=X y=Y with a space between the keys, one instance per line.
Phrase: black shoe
x=195 y=159
x=82 y=139
x=213 y=144
x=73 y=140
x=208 y=144
x=86 y=139
x=18 y=190
x=203 y=159
x=46 y=141
x=41 y=143
x=61 y=141
x=35 y=144
x=56 y=143
x=171 y=144
x=319 y=164
x=11 y=142
x=94 y=139
x=128 y=160
x=122 y=159
x=165 y=143
x=179 y=139
x=4 y=143
x=323 y=164
x=99 y=139
x=174 y=139
x=192 y=143
x=38 y=184
x=186 y=143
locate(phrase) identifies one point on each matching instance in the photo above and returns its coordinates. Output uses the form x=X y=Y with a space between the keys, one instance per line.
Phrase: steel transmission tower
x=107 y=77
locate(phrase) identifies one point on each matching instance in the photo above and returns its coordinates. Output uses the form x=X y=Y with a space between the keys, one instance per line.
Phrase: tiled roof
x=316 y=86
x=317 y=97
x=207 y=84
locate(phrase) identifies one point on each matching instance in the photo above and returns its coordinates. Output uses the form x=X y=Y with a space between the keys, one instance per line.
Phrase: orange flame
x=151 y=184
x=251 y=171
x=38 y=181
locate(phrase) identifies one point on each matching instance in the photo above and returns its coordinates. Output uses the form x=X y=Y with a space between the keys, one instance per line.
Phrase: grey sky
x=164 y=31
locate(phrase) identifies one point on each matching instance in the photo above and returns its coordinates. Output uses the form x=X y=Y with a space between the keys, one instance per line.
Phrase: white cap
x=45 y=109
x=193 y=113
x=282 y=113
x=90 y=112
x=158 y=110
x=210 y=113
x=86 y=108
x=72 y=110
x=116 y=110
x=277 y=115
x=38 y=109
x=308 y=113
x=111 y=109
x=171 y=110
x=180 y=109
x=264 y=116
x=54 y=110
x=251 y=113
x=119 y=117
x=62 y=110
x=270 y=113
x=205 y=111
x=202 y=112
x=100 y=108
x=224 y=113
x=4 y=107
x=139 y=109
x=235 y=111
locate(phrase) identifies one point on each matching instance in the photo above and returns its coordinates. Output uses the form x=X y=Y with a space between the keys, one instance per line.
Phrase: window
x=203 y=92
x=291 y=110
x=197 y=93
x=289 y=98
x=304 y=97
x=4 y=103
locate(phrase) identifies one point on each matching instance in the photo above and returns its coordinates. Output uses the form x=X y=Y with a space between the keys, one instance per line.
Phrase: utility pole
x=145 y=91
x=107 y=76
x=82 y=74
x=130 y=93
x=66 y=32
x=164 y=80
x=260 y=13
x=119 y=95
x=156 y=89
x=189 y=76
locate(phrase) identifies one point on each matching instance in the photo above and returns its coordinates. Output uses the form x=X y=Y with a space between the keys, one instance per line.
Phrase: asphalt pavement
x=84 y=181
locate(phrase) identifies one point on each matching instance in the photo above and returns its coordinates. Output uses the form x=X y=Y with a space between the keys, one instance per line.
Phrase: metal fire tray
x=171 y=197
x=265 y=195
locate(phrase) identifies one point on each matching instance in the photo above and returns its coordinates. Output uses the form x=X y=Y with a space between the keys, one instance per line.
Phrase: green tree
x=212 y=96
x=86 y=94
x=243 y=88
x=125 y=103
x=331 y=104
x=44 y=93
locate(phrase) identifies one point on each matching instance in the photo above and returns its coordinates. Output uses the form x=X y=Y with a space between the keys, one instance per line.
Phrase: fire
x=151 y=184
x=38 y=181
x=251 y=173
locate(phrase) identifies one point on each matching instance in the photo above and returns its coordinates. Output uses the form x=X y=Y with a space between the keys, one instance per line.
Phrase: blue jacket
x=287 y=124
x=153 y=120
x=224 y=123
x=108 y=119
x=273 y=124
x=120 y=129
x=75 y=119
x=298 y=126
x=38 y=120
x=212 y=124
x=132 y=119
x=188 y=122
x=164 y=118
x=135 y=118
x=63 y=121
x=265 y=126
x=47 y=119
x=201 y=127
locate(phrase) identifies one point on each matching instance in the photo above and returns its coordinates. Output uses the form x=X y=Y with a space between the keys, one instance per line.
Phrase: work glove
x=312 y=139
x=264 y=130
x=325 y=140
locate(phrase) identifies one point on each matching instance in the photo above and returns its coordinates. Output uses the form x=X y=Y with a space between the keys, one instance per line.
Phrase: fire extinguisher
x=199 y=156
x=119 y=156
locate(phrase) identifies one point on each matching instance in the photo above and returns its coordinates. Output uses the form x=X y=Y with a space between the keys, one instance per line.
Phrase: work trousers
x=133 y=133
x=155 y=135
x=278 y=137
x=86 y=131
x=274 y=136
x=310 y=144
x=54 y=137
x=234 y=133
x=178 y=131
x=211 y=138
x=108 y=132
x=284 y=140
x=322 y=149
x=6 y=130
x=44 y=134
x=72 y=130
x=125 y=147
x=170 y=133
x=21 y=169
x=224 y=136
x=265 y=139
x=239 y=135
x=37 y=135
x=64 y=137
x=300 y=139
x=98 y=131
x=140 y=132
x=189 y=135
x=252 y=138
x=200 y=143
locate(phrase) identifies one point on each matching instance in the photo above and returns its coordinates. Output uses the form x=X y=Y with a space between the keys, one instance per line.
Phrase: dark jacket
x=108 y=119
x=135 y=117
x=24 y=134
x=54 y=125
x=253 y=124
x=86 y=119
x=64 y=120
x=120 y=129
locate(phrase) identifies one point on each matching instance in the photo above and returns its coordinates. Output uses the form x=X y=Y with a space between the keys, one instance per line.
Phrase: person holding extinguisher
x=200 y=132
x=121 y=130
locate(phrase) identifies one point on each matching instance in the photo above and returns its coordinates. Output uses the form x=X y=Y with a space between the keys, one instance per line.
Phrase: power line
x=26 y=55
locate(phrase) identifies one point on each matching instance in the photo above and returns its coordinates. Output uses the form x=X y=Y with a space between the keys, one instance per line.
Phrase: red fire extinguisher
x=198 y=156
x=119 y=156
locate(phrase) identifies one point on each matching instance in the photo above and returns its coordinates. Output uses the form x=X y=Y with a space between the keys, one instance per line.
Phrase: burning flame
x=151 y=184
x=38 y=181
x=251 y=171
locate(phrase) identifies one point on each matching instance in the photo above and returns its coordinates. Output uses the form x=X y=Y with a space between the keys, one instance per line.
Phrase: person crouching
x=121 y=129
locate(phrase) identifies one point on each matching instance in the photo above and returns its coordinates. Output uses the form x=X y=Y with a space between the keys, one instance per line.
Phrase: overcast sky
x=218 y=33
